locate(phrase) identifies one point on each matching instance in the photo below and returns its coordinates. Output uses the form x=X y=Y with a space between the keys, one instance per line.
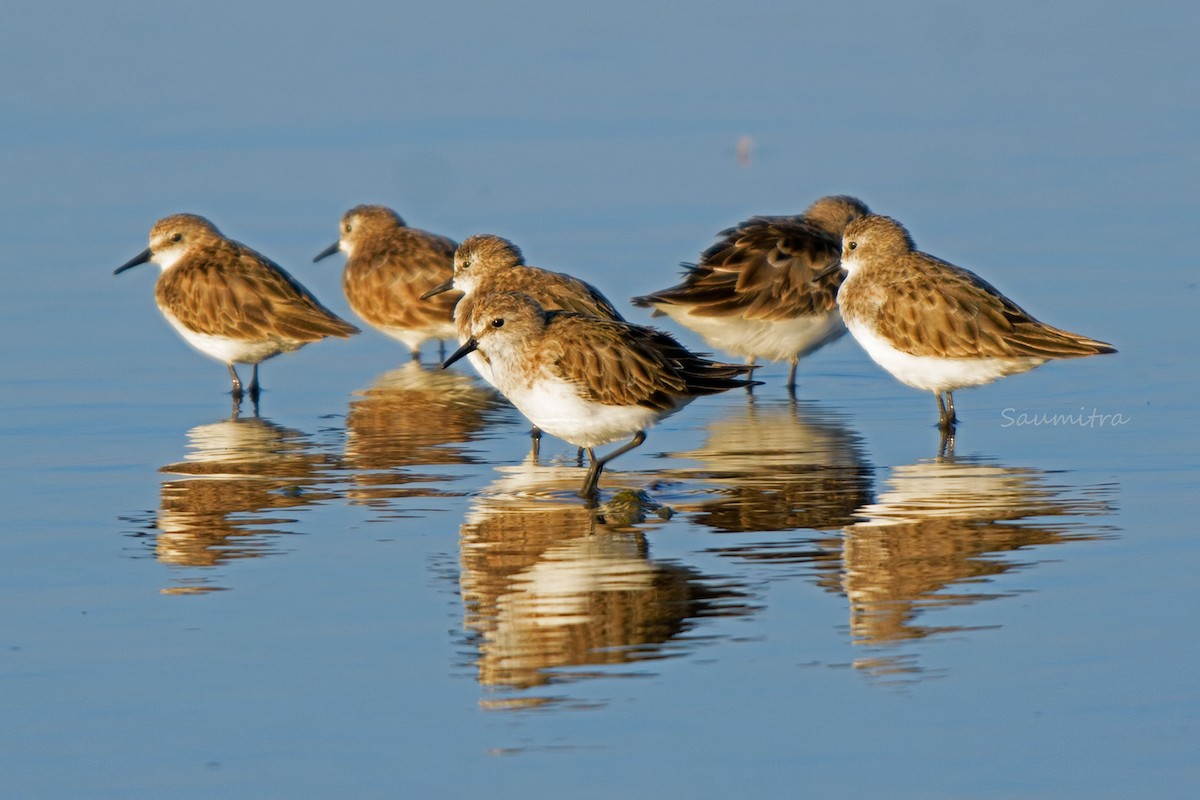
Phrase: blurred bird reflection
x=935 y=535
x=779 y=466
x=410 y=417
x=933 y=538
x=552 y=587
x=235 y=474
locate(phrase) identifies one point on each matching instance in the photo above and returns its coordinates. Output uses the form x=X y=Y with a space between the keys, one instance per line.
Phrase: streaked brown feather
x=387 y=274
x=926 y=306
x=640 y=365
x=500 y=266
x=225 y=289
x=769 y=267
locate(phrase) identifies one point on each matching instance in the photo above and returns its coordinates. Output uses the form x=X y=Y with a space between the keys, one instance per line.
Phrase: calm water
x=369 y=590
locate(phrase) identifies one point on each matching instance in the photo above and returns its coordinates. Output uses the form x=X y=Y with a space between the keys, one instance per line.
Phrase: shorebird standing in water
x=228 y=301
x=765 y=289
x=935 y=326
x=389 y=266
x=486 y=264
x=585 y=379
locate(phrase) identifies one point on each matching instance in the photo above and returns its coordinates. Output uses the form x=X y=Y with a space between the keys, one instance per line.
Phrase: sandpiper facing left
x=486 y=264
x=389 y=266
x=585 y=379
x=228 y=301
x=765 y=289
x=935 y=326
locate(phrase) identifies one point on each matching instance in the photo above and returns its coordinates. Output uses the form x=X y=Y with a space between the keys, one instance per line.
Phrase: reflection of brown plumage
x=412 y=416
x=778 y=466
x=547 y=586
x=937 y=525
x=233 y=472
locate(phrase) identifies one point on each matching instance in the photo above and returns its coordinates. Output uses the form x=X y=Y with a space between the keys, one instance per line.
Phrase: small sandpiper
x=389 y=266
x=228 y=301
x=586 y=379
x=485 y=264
x=935 y=326
x=765 y=289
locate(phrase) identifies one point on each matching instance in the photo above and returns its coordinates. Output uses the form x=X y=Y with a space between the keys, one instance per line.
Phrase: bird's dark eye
x=851 y=245
x=176 y=237
x=464 y=264
x=347 y=228
x=498 y=322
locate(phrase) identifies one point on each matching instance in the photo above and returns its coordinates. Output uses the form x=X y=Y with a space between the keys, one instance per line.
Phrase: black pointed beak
x=327 y=252
x=140 y=258
x=470 y=347
x=441 y=287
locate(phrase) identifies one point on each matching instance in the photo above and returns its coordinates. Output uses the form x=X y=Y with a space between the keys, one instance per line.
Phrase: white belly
x=231 y=350
x=936 y=374
x=555 y=407
x=778 y=340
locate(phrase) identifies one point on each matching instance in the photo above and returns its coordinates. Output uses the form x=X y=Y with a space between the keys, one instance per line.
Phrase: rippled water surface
x=371 y=589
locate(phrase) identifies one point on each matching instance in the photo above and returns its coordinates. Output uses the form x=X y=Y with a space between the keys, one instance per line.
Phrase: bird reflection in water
x=410 y=417
x=780 y=467
x=236 y=475
x=935 y=537
x=555 y=591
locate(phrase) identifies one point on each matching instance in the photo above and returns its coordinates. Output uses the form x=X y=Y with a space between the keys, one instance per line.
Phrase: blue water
x=368 y=591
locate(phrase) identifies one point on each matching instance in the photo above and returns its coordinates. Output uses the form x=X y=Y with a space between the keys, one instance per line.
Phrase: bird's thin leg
x=945 y=416
x=750 y=363
x=535 y=436
x=593 y=475
x=950 y=408
x=791 y=381
x=237 y=382
x=255 y=390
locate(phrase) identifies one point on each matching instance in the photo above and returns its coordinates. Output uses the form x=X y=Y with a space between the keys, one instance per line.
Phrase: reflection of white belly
x=777 y=340
x=936 y=374
x=556 y=407
x=231 y=350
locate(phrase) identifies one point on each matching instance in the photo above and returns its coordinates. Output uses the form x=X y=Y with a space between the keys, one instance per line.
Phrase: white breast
x=556 y=407
x=932 y=373
x=230 y=351
x=776 y=340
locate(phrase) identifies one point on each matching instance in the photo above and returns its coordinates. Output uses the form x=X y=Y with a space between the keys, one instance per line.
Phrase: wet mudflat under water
x=368 y=589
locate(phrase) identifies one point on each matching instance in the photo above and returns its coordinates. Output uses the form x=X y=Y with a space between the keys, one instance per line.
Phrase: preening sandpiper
x=389 y=266
x=586 y=379
x=935 y=326
x=765 y=289
x=228 y=301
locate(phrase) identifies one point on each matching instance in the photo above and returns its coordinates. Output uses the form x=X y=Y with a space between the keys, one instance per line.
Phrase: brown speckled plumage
x=768 y=268
x=586 y=379
x=223 y=288
x=389 y=267
x=929 y=307
x=493 y=264
x=935 y=326
x=608 y=361
x=229 y=301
